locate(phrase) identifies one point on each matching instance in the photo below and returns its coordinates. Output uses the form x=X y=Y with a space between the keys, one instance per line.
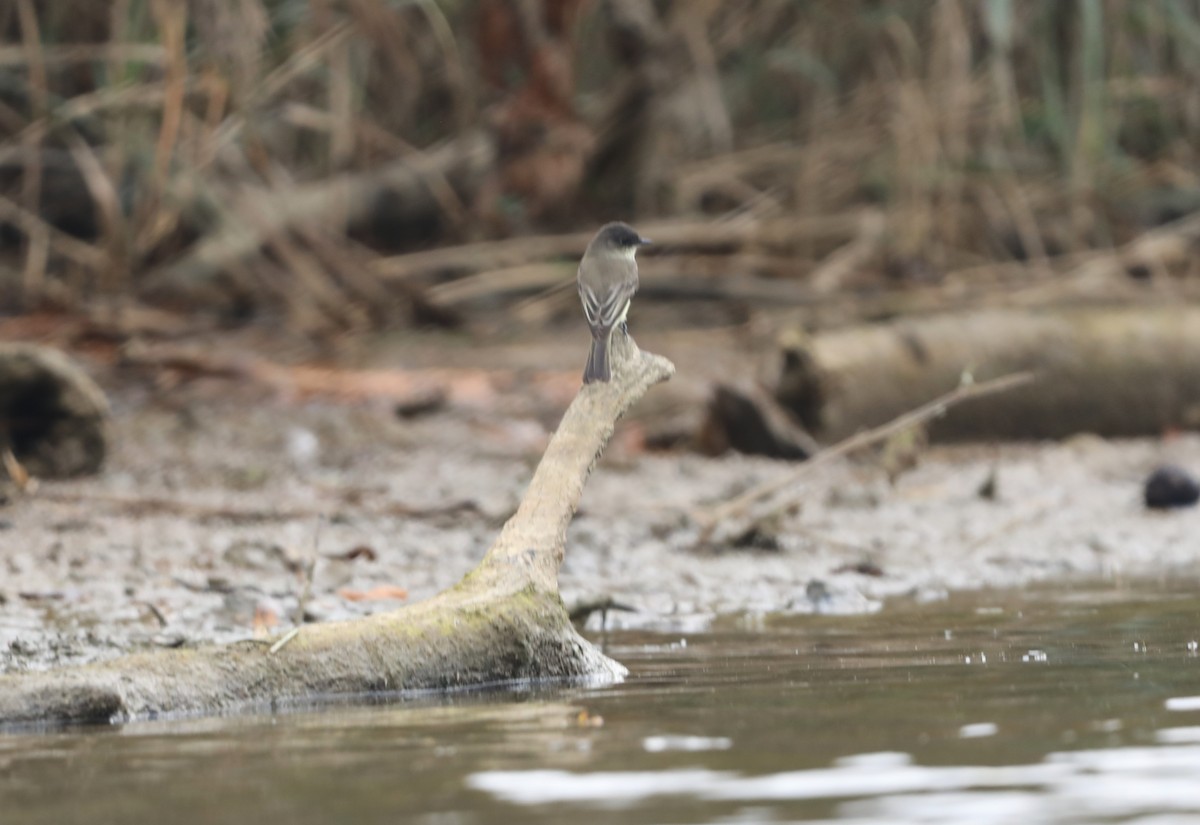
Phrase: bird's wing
x=607 y=309
x=605 y=288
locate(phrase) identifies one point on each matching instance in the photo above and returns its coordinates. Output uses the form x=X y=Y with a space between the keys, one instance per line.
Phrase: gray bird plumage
x=608 y=278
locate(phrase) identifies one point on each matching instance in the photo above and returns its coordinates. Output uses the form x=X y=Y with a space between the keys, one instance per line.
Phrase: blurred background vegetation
x=344 y=164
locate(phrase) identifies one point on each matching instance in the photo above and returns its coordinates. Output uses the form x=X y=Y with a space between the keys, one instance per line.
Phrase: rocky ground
x=220 y=499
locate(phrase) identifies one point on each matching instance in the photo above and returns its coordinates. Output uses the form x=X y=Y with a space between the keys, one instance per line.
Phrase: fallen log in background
x=1113 y=372
x=503 y=622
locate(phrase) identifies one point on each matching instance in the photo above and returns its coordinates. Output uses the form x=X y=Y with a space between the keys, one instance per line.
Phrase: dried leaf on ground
x=379 y=593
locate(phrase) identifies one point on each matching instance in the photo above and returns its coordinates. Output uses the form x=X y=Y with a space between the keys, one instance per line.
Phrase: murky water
x=985 y=708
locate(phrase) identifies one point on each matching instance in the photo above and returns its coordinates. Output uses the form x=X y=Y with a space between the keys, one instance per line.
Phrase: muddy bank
x=218 y=499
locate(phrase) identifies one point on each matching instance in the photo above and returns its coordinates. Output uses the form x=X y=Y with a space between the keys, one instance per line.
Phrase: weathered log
x=504 y=622
x=1113 y=372
x=52 y=415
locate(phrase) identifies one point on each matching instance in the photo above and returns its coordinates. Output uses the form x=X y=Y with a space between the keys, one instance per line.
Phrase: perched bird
x=608 y=277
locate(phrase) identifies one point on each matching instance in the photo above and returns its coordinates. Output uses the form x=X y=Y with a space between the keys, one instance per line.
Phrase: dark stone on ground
x=1171 y=486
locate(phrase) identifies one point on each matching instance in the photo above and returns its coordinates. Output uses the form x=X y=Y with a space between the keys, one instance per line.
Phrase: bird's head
x=617 y=238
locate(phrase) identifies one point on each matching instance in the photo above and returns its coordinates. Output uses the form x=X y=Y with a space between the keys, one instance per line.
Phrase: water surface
x=989 y=707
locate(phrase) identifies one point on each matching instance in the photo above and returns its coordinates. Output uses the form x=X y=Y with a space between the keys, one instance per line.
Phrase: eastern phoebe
x=608 y=277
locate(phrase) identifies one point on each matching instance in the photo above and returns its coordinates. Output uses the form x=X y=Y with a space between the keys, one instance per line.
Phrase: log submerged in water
x=504 y=622
x=1112 y=372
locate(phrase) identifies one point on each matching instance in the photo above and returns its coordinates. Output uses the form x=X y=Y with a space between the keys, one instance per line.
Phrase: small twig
x=57 y=57
x=155 y=612
x=15 y=470
x=1013 y=524
x=491 y=282
x=580 y=612
x=309 y=571
x=737 y=506
x=838 y=544
x=284 y=639
x=143 y=506
x=82 y=253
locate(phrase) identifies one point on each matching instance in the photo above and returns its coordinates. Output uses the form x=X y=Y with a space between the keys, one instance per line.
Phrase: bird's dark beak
x=644 y=241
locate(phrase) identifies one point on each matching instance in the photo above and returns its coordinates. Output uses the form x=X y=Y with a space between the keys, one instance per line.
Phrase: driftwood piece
x=728 y=514
x=1113 y=372
x=53 y=417
x=504 y=622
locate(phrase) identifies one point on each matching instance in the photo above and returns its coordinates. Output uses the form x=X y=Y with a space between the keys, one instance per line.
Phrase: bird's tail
x=597 y=363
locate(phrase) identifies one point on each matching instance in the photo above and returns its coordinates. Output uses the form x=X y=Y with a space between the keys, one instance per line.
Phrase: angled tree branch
x=503 y=622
